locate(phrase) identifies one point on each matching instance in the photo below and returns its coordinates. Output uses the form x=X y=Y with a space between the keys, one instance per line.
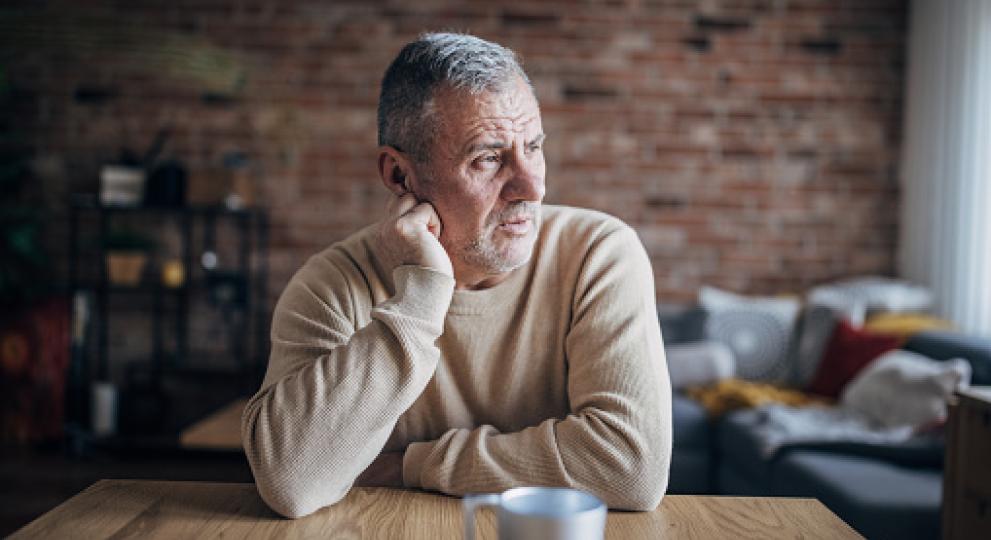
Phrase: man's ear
x=395 y=170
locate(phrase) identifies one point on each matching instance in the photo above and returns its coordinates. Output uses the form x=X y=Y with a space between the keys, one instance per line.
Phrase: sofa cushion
x=849 y=350
x=681 y=324
x=905 y=324
x=740 y=446
x=814 y=328
x=879 y=499
x=855 y=297
x=691 y=457
x=690 y=472
x=691 y=425
x=740 y=450
x=757 y=329
x=945 y=345
x=732 y=481
x=701 y=362
x=923 y=451
x=905 y=388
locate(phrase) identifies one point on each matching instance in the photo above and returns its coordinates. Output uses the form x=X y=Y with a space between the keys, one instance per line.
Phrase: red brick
x=743 y=158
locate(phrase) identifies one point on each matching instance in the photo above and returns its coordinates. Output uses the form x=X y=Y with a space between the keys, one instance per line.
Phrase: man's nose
x=526 y=182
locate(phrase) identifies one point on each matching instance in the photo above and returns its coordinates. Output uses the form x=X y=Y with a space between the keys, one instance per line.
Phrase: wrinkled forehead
x=510 y=109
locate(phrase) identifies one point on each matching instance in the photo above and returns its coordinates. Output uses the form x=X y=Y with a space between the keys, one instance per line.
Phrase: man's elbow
x=648 y=473
x=644 y=484
x=287 y=488
x=291 y=503
x=642 y=499
x=287 y=506
x=292 y=492
x=296 y=500
x=643 y=494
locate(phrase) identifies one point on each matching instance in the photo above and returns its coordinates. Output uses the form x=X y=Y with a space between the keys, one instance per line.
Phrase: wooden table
x=152 y=509
x=219 y=431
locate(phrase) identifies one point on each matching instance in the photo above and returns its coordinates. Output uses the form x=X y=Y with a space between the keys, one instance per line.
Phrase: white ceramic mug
x=543 y=513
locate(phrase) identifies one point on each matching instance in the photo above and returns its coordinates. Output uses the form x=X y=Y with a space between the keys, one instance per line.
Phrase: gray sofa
x=883 y=491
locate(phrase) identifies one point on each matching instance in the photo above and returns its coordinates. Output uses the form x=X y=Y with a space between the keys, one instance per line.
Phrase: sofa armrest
x=943 y=345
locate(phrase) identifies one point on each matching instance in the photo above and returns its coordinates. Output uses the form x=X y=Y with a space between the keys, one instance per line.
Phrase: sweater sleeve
x=332 y=394
x=616 y=441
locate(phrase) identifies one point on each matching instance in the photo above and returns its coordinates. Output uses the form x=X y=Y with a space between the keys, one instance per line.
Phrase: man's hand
x=385 y=471
x=410 y=234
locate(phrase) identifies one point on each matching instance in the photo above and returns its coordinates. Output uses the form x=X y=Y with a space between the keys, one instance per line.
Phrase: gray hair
x=459 y=61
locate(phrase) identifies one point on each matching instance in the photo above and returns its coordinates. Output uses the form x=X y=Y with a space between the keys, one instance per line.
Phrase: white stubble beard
x=484 y=253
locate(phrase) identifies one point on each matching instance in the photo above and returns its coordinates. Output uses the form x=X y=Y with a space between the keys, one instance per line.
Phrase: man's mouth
x=516 y=226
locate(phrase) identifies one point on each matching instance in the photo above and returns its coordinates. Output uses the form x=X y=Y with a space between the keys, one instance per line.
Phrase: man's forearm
x=307 y=442
x=311 y=432
x=625 y=464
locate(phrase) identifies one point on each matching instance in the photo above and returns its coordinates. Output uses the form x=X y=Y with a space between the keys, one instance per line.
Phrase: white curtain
x=945 y=238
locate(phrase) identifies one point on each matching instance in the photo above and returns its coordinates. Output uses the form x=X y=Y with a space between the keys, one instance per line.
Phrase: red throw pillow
x=849 y=350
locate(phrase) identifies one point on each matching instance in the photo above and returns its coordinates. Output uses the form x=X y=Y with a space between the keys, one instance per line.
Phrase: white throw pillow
x=758 y=329
x=855 y=297
x=701 y=362
x=902 y=388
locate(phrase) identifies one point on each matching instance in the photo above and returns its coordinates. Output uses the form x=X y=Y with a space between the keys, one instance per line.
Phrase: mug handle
x=470 y=504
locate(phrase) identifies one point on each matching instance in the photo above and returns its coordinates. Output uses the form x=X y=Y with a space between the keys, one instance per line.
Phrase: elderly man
x=472 y=340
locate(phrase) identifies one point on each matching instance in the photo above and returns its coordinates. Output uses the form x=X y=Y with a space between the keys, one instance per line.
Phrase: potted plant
x=127 y=255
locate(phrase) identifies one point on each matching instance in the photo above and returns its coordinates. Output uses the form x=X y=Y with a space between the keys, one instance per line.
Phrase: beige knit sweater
x=555 y=376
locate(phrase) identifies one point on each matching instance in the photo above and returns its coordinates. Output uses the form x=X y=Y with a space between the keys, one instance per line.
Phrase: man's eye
x=534 y=147
x=487 y=159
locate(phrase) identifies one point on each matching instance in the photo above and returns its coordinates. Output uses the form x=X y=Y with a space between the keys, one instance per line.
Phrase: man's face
x=485 y=176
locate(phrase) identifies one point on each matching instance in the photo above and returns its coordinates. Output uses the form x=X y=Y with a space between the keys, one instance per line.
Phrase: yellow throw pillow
x=905 y=324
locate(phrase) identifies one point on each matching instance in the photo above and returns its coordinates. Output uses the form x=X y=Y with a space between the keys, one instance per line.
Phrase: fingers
x=400 y=205
x=411 y=234
x=434 y=225
x=424 y=215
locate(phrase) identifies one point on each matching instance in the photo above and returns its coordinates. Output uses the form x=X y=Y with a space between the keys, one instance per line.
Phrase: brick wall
x=753 y=144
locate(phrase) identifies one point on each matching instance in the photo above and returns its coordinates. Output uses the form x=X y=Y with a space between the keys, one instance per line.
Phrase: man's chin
x=501 y=252
x=510 y=265
x=515 y=256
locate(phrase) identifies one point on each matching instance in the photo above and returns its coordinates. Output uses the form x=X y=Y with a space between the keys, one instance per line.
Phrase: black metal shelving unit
x=233 y=293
